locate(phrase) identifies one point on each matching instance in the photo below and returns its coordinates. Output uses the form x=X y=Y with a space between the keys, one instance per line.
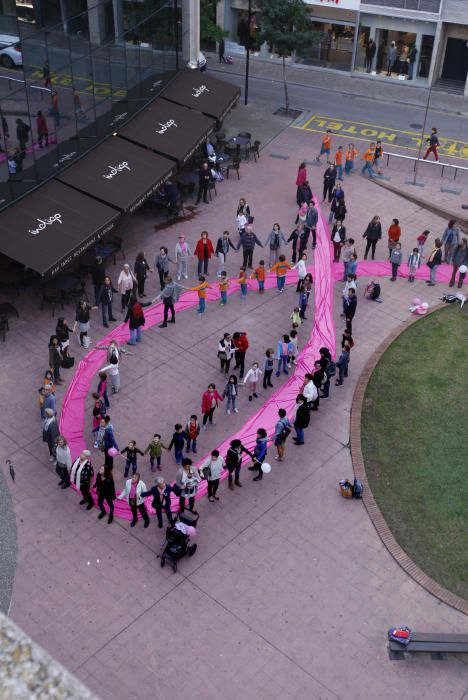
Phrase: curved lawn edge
x=373 y=510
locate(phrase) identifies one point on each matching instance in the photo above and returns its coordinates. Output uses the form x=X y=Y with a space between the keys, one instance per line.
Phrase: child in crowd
x=342 y=365
x=347 y=339
x=352 y=265
x=99 y=437
x=259 y=454
x=155 y=448
x=282 y=353
x=223 y=285
x=231 y=393
x=421 y=240
x=178 y=441
x=396 y=257
x=192 y=431
x=201 y=291
x=242 y=222
x=131 y=451
x=296 y=317
x=259 y=275
x=350 y=284
x=414 y=263
x=292 y=350
x=251 y=378
x=303 y=301
x=268 y=366
x=99 y=411
x=281 y=268
x=350 y=157
x=242 y=281
x=102 y=388
x=48 y=381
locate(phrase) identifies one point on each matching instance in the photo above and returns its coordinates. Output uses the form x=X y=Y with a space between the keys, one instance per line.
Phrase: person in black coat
x=222 y=249
x=105 y=299
x=301 y=419
x=55 y=359
x=161 y=493
x=304 y=194
x=204 y=179
x=350 y=309
x=98 y=275
x=141 y=272
x=105 y=488
x=373 y=233
x=318 y=375
x=62 y=332
x=234 y=461
x=135 y=318
x=329 y=178
x=338 y=237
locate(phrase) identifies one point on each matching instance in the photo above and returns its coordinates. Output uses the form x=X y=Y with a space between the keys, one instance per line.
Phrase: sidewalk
x=291 y=591
x=382 y=89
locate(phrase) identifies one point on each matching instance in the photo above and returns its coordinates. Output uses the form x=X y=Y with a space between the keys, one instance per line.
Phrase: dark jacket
x=55 y=358
x=82 y=315
x=311 y=217
x=304 y=194
x=109 y=439
x=460 y=257
x=105 y=487
x=141 y=268
x=62 y=333
x=350 y=306
x=248 y=241
x=302 y=418
x=222 y=245
x=234 y=457
x=342 y=233
x=135 y=316
x=329 y=177
x=98 y=274
x=160 y=499
x=178 y=441
x=339 y=209
x=373 y=232
x=435 y=259
x=106 y=294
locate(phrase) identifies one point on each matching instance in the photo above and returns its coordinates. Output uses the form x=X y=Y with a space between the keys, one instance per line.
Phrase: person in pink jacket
x=210 y=400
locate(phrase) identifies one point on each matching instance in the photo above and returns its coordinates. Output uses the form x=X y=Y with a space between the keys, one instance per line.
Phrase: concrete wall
x=455 y=11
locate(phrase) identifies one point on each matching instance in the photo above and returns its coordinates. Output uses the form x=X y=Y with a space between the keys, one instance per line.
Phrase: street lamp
x=416 y=166
x=247 y=63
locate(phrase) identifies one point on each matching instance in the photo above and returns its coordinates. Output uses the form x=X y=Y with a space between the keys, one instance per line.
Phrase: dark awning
x=51 y=227
x=119 y=173
x=169 y=129
x=202 y=92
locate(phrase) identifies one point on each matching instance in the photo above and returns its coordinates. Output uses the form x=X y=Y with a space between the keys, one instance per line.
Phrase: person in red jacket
x=300 y=180
x=210 y=400
x=203 y=251
x=241 y=343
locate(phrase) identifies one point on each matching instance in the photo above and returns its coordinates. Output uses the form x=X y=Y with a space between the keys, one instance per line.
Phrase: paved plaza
x=291 y=591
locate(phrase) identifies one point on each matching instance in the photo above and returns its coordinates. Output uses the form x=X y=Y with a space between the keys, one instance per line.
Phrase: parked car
x=10 y=51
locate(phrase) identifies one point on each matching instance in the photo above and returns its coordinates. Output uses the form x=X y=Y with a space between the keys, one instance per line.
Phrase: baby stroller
x=177 y=542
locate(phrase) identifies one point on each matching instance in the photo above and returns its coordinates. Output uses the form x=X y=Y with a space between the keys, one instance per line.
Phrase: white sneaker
x=51 y=458
x=178 y=278
x=236 y=410
x=185 y=277
x=228 y=411
x=204 y=427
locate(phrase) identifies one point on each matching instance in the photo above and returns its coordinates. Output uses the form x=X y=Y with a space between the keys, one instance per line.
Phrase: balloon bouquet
x=419 y=307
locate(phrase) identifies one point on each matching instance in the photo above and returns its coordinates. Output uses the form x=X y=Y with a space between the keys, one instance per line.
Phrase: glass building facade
x=71 y=72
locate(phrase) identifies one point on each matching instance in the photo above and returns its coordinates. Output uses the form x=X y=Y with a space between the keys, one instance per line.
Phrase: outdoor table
x=240 y=141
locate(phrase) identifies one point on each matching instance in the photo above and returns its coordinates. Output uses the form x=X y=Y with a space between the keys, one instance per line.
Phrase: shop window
x=331 y=46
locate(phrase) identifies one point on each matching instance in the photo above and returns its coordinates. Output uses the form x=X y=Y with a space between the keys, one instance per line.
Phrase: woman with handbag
x=141 y=272
x=55 y=359
x=62 y=331
x=126 y=284
x=211 y=470
x=105 y=488
x=187 y=480
x=225 y=353
x=63 y=461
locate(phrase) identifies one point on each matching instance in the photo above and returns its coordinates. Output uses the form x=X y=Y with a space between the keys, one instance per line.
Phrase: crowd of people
x=232 y=348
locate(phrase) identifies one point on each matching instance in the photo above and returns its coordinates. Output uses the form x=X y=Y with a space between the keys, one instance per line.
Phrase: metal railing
x=439 y=163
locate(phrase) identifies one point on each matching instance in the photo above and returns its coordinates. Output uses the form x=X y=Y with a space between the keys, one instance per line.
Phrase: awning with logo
x=169 y=129
x=203 y=93
x=119 y=173
x=51 y=227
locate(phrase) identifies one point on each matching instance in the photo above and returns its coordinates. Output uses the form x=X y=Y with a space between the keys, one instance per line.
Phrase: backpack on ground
x=358 y=488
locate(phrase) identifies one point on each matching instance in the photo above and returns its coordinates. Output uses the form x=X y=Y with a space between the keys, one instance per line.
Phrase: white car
x=10 y=51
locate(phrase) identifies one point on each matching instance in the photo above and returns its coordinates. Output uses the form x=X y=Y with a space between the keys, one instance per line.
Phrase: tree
x=285 y=26
x=209 y=30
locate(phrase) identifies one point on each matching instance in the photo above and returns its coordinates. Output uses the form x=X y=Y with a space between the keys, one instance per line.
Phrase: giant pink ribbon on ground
x=323 y=334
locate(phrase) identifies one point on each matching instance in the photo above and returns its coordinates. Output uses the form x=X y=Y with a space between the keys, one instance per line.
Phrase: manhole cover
x=415 y=125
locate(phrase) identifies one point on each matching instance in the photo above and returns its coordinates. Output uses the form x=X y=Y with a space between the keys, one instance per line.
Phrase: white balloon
x=425 y=305
x=463 y=269
x=266 y=468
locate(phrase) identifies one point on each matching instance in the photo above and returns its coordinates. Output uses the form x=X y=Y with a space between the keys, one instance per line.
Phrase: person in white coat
x=310 y=390
x=301 y=271
x=212 y=469
x=132 y=493
x=251 y=378
x=125 y=285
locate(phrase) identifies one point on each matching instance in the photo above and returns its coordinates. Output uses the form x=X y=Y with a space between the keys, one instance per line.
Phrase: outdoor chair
x=235 y=165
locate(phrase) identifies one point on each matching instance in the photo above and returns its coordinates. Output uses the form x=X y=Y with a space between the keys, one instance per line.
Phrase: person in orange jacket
x=394 y=233
x=351 y=155
x=281 y=268
x=203 y=251
x=326 y=146
x=368 y=159
x=339 y=163
x=201 y=289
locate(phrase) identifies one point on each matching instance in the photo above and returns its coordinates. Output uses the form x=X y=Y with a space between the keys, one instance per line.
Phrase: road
x=359 y=117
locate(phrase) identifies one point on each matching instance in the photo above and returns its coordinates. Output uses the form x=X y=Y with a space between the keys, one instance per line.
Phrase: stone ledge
x=27 y=672
x=373 y=510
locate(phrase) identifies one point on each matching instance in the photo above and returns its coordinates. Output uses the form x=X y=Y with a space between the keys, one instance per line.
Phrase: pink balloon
x=112 y=452
x=416 y=301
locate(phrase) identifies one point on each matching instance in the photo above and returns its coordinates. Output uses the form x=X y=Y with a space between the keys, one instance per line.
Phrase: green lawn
x=415 y=444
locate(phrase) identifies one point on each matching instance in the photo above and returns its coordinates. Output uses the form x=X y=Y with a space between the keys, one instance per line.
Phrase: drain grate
x=281 y=156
